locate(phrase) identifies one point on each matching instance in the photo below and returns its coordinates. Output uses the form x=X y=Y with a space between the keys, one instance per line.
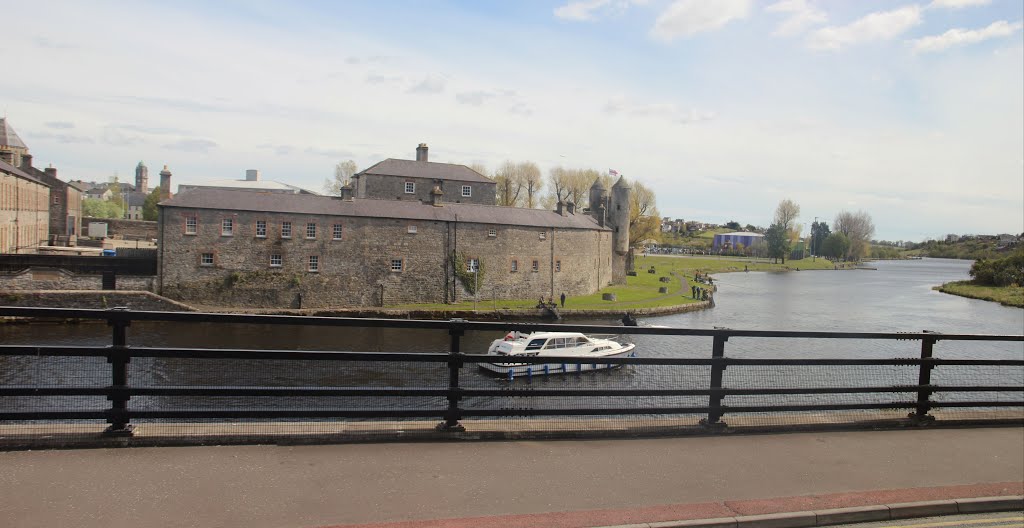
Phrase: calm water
x=897 y=297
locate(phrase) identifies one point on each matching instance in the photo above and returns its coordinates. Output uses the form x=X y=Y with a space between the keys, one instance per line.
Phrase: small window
x=411 y=230
x=336 y=232
x=536 y=266
x=558 y=265
x=543 y=235
x=515 y=266
x=396 y=264
x=467 y=191
x=56 y=200
x=227 y=227
x=261 y=229
x=276 y=261
x=310 y=230
x=410 y=188
x=206 y=259
x=190 y=225
x=472 y=265
x=314 y=263
x=491 y=233
x=286 y=229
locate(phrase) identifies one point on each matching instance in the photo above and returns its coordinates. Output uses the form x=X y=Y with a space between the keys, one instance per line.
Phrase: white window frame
x=515 y=266
x=410 y=187
x=411 y=230
x=261 y=229
x=397 y=265
x=467 y=191
x=492 y=233
x=543 y=235
x=286 y=226
x=336 y=232
x=472 y=265
x=313 y=264
x=310 y=228
x=279 y=261
x=203 y=262
x=194 y=225
x=227 y=227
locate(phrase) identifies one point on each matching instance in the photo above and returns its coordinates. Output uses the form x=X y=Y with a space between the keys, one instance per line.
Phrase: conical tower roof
x=621 y=183
x=8 y=137
x=597 y=184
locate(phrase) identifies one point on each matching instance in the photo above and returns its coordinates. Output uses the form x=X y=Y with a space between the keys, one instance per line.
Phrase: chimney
x=436 y=194
x=560 y=208
x=8 y=156
x=421 y=152
x=165 y=183
x=26 y=161
x=252 y=175
x=51 y=171
x=600 y=215
x=571 y=207
x=346 y=192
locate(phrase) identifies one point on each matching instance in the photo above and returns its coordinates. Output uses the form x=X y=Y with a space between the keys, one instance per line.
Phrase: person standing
x=562 y=298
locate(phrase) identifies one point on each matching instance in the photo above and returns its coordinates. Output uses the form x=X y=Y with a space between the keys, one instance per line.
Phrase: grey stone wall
x=134 y=300
x=126 y=229
x=59 y=279
x=356 y=270
x=379 y=187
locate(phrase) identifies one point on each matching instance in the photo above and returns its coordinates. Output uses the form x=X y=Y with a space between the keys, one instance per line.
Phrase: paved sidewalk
x=522 y=483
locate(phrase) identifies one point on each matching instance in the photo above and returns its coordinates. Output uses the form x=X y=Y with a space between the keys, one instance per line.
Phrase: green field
x=641 y=291
x=1005 y=295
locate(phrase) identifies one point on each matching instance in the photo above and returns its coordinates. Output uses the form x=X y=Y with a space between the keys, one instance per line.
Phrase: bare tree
x=858 y=228
x=480 y=168
x=644 y=220
x=342 y=174
x=786 y=214
x=510 y=184
x=532 y=182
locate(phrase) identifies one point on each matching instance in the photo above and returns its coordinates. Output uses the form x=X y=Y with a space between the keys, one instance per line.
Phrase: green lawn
x=1005 y=295
x=641 y=291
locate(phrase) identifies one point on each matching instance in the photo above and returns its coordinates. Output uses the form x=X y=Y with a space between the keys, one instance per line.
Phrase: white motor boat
x=540 y=344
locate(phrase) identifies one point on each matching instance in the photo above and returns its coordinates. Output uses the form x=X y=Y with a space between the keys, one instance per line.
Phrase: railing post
x=717 y=369
x=118 y=359
x=453 y=414
x=924 y=380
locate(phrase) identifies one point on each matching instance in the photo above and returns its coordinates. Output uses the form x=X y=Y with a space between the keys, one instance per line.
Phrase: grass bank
x=1005 y=295
x=642 y=291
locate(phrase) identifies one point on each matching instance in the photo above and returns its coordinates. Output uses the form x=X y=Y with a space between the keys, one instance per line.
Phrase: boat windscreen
x=535 y=344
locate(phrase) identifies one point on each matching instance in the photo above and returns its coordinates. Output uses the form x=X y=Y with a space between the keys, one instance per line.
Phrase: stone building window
x=492 y=233
x=411 y=230
x=535 y=267
x=467 y=191
x=286 y=229
x=515 y=266
x=410 y=188
x=206 y=259
x=472 y=265
x=336 y=235
x=543 y=235
x=276 y=261
x=558 y=265
x=56 y=199
x=261 y=229
x=310 y=230
x=396 y=264
x=227 y=227
x=190 y=225
x=314 y=263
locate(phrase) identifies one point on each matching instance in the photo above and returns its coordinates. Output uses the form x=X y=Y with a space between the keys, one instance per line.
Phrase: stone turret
x=598 y=199
x=618 y=220
x=165 y=183
x=142 y=178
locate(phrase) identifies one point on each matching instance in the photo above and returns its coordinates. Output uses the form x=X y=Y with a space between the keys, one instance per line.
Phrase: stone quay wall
x=245 y=270
x=61 y=279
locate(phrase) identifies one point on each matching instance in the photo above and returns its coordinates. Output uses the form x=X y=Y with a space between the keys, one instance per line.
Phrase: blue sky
x=912 y=112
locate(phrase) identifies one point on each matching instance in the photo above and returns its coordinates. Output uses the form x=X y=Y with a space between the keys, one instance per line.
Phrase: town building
x=262 y=249
x=252 y=182
x=24 y=208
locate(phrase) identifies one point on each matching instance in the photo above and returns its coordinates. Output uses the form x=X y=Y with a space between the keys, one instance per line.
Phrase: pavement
x=561 y=484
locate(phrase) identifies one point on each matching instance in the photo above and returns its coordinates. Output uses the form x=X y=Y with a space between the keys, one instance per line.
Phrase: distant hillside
x=973 y=248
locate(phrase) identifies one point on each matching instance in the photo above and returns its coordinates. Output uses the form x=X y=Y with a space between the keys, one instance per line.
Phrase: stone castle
x=402 y=232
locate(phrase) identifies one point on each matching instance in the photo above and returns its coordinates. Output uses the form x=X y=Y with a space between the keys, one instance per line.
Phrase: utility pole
x=814 y=227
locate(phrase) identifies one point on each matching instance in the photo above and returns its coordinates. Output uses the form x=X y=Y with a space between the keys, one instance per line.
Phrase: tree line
x=849 y=237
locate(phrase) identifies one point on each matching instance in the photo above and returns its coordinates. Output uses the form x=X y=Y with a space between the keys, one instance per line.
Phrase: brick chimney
x=560 y=208
x=51 y=171
x=421 y=152
x=346 y=192
x=435 y=195
x=26 y=161
x=165 y=183
x=571 y=207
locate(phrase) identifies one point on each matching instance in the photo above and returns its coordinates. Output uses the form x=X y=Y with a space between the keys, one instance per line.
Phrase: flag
x=613 y=172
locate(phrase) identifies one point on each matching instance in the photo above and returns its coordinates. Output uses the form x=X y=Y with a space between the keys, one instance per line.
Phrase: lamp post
x=814 y=227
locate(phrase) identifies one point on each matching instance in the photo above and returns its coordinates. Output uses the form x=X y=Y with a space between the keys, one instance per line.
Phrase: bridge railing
x=48 y=389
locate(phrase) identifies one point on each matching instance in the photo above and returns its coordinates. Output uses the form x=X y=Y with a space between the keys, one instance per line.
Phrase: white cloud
x=685 y=18
x=668 y=111
x=587 y=10
x=961 y=37
x=801 y=15
x=957 y=4
x=429 y=85
x=883 y=25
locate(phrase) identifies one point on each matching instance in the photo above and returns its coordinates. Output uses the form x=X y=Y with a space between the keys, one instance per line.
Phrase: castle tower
x=598 y=201
x=142 y=178
x=165 y=183
x=12 y=148
x=618 y=220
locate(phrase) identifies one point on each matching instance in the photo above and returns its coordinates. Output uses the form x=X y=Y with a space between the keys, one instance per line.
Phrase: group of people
x=699 y=293
x=550 y=303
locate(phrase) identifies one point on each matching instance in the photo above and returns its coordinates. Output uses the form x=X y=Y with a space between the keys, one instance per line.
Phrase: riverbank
x=1004 y=295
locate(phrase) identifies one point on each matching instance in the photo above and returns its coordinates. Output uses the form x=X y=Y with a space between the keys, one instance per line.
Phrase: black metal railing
x=991 y=388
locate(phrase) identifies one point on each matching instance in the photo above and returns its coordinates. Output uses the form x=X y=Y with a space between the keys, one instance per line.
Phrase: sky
x=912 y=112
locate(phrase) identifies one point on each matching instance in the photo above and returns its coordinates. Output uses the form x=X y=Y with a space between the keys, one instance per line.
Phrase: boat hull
x=520 y=370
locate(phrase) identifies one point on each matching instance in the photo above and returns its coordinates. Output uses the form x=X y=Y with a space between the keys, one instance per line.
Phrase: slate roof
x=225 y=200
x=248 y=185
x=8 y=137
x=11 y=169
x=426 y=169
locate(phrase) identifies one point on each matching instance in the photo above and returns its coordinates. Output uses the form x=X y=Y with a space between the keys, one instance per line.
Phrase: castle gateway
x=245 y=248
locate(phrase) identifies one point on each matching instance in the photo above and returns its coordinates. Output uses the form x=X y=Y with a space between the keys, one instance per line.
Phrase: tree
x=819 y=232
x=342 y=174
x=510 y=184
x=570 y=185
x=532 y=183
x=149 y=208
x=96 y=208
x=786 y=214
x=777 y=240
x=859 y=229
x=835 y=246
x=644 y=220
x=734 y=225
